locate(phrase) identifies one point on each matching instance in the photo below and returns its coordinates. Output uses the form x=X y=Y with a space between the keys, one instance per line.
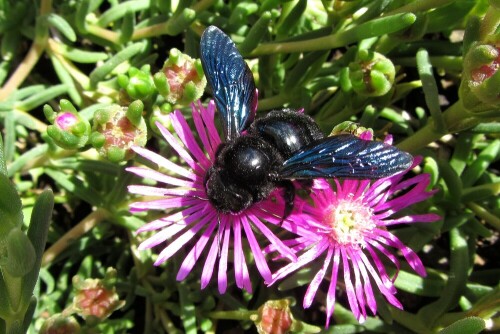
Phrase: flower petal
x=316 y=281
x=162 y=162
x=330 y=296
x=160 y=177
x=260 y=261
x=186 y=135
x=195 y=253
x=222 y=279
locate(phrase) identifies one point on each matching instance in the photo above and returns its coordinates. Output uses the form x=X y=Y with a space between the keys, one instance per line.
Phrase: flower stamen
x=350 y=221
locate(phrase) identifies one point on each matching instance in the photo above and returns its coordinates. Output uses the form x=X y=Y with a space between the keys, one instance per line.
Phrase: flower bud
x=480 y=87
x=116 y=129
x=274 y=316
x=138 y=83
x=160 y=115
x=60 y=324
x=181 y=79
x=96 y=298
x=68 y=130
x=372 y=74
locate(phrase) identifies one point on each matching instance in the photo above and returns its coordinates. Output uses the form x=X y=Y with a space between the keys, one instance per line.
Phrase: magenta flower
x=347 y=231
x=190 y=221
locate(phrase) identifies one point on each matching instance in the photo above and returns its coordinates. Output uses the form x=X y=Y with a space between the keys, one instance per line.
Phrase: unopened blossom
x=275 y=317
x=347 y=231
x=181 y=80
x=116 y=129
x=68 y=128
x=190 y=222
x=96 y=298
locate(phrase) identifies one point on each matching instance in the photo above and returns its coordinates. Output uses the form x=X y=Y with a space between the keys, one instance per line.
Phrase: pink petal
x=241 y=270
x=423 y=218
x=209 y=266
x=379 y=264
x=162 y=204
x=180 y=218
x=204 y=132
x=280 y=247
x=208 y=119
x=161 y=236
x=158 y=191
x=160 y=177
x=330 y=296
x=410 y=256
x=162 y=162
x=368 y=291
x=351 y=295
x=388 y=295
x=316 y=281
x=222 y=279
x=260 y=261
x=195 y=252
x=177 y=146
x=303 y=260
x=186 y=135
x=172 y=248
x=358 y=286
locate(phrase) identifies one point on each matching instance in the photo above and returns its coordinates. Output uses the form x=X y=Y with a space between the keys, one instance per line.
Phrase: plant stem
x=456 y=119
x=75 y=233
x=24 y=69
x=419 y=6
x=82 y=79
x=103 y=33
x=273 y=102
x=374 y=28
x=484 y=214
x=489 y=23
x=34 y=53
x=202 y=5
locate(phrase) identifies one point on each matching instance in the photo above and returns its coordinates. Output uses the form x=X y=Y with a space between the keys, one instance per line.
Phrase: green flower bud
x=181 y=79
x=160 y=115
x=138 y=83
x=480 y=87
x=372 y=74
x=96 y=299
x=68 y=130
x=116 y=129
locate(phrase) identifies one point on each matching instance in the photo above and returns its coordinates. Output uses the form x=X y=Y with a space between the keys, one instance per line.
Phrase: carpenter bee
x=259 y=156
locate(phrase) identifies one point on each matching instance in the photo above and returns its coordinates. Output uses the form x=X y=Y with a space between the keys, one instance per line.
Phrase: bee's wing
x=231 y=81
x=345 y=156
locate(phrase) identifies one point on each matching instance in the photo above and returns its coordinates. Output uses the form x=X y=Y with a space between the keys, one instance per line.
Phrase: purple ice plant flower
x=191 y=222
x=347 y=230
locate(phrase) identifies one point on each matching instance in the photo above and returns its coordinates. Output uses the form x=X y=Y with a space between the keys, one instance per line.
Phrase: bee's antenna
x=198 y=197
x=218 y=234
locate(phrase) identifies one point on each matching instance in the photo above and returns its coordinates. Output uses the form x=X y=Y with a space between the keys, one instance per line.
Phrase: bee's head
x=224 y=194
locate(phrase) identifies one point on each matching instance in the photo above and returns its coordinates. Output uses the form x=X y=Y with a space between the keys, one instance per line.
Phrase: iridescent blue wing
x=345 y=156
x=231 y=81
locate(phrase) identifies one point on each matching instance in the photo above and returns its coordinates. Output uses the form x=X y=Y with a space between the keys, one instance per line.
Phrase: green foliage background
x=301 y=53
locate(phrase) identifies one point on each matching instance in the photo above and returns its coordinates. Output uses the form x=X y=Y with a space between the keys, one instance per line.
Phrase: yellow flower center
x=350 y=220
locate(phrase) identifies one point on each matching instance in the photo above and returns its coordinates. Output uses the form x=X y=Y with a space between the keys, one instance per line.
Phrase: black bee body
x=247 y=168
x=259 y=156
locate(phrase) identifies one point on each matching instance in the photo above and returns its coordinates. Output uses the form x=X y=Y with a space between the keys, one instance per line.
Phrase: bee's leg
x=288 y=196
